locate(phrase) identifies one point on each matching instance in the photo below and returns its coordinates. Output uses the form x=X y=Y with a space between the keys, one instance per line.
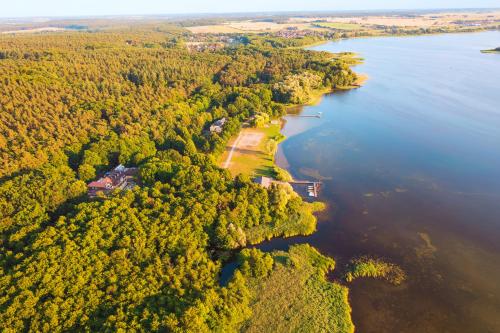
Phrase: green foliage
x=271 y=147
x=260 y=120
x=112 y=150
x=294 y=296
x=26 y=200
x=280 y=42
x=377 y=268
x=297 y=89
x=86 y=172
x=141 y=260
x=255 y=263
x=282 y=174
x=299 y=221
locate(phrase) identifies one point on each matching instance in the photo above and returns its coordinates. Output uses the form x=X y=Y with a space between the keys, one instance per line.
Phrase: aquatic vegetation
x=377 y=268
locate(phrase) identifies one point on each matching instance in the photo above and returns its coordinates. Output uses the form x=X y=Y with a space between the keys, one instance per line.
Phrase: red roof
x=101 y=183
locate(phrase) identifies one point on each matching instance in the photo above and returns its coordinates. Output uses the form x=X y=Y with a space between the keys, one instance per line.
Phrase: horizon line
x=264 y=12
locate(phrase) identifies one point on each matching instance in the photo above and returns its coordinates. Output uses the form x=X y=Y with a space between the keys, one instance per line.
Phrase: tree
x=271 y=147
x=297 y=88
x=86 y=172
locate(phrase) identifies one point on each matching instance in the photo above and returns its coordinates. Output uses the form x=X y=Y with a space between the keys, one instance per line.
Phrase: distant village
x=294 y=32
x=214 y=42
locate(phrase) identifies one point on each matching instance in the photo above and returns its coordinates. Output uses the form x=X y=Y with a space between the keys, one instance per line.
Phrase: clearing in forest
x=247 y=154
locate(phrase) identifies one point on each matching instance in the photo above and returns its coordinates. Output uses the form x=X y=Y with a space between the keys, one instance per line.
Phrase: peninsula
x=497 y=50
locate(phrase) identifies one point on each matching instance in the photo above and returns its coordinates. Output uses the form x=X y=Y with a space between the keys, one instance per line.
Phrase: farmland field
x=249 y=27
x=339 y=26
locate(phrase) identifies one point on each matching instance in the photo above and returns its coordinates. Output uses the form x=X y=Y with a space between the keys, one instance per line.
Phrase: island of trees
x=496 y=50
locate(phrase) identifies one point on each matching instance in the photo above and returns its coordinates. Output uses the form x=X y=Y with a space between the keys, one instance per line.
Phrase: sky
x=37 y=8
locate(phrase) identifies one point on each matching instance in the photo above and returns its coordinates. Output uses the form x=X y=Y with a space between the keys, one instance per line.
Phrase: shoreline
x=420 y=34
x=267 y=132
x=497 y=51
x=318 y=94
x=230 y=261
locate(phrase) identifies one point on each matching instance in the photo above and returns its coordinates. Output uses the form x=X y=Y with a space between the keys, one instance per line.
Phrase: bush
x=282 y=174
x=377 y=268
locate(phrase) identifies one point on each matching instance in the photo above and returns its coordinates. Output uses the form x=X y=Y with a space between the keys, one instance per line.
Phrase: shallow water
x=410 y=165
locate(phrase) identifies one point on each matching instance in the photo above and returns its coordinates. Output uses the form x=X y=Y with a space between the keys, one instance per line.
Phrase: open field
x=421 y=21
x=247 y=153
x=249 y=27
x=339 y=26
x=214 y=29
x=350 y=23
x=34 y=30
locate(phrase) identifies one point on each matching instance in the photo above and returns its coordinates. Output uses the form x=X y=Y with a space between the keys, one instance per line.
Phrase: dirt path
x=230 y=156
x=248 y=140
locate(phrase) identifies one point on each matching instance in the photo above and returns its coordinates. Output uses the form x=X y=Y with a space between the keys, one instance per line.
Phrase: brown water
x=411 y=170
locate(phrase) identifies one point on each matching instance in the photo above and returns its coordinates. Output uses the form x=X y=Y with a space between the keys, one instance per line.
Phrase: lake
x=410 y=165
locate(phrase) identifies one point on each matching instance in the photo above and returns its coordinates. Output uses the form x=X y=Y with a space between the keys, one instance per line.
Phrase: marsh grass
x=296 y=296
x=374 y=267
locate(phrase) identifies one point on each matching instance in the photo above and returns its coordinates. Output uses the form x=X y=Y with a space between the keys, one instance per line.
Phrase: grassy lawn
x=296 y=297
x=339 y=26
x=250 y=156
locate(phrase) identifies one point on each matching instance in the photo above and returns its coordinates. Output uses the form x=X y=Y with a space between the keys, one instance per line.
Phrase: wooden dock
x=312 y=187
x=318 y=115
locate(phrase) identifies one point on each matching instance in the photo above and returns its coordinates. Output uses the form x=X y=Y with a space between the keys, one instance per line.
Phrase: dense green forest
x=73 y=106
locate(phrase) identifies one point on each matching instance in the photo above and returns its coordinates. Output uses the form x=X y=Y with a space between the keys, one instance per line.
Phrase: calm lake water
x=410 y=165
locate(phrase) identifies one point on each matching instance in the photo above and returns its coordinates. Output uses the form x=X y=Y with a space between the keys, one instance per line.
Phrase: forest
x=74 y=105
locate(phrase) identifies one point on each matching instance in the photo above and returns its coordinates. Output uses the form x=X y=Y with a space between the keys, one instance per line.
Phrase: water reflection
x=411 y=170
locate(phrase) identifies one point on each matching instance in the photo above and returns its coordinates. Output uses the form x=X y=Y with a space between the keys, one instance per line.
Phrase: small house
x=264 y=181
x=218 y=126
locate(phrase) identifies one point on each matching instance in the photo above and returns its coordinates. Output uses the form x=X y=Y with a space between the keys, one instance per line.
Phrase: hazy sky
x=19 y=8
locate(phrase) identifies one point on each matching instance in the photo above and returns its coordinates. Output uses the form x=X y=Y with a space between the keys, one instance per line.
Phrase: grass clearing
x=339 y=25
x=296 y=296
x=249 y=155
